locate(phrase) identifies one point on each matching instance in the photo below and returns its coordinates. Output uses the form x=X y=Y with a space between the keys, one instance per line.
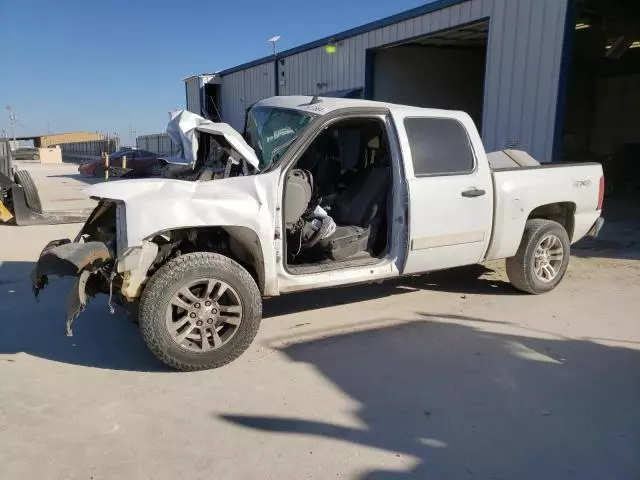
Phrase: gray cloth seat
x=358 y=212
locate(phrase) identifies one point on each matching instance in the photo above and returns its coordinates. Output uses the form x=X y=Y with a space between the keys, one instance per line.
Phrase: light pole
x=273 y=41
x=12 y=120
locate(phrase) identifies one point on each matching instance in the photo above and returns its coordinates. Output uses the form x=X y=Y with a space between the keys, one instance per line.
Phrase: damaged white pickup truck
x=318 y=193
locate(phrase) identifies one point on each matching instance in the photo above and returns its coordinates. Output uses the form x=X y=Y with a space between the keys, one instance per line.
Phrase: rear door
x=450 y=191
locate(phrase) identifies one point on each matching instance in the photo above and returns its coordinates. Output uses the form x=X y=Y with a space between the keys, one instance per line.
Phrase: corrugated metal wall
x=522 y=77
x=242 y=89
x=160 y=143
x=92 y=148
x=192 y=85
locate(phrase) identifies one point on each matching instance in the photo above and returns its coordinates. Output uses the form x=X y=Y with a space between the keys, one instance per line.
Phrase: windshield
x=271 y=131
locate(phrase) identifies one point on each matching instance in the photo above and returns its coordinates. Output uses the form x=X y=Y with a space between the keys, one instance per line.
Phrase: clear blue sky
x=85 y=65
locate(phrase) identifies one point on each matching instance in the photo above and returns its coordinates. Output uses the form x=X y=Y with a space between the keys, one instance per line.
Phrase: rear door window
x=439 y=146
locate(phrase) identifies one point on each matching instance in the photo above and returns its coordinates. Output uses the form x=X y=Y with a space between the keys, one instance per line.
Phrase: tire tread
x=25 y=180
x=172 y=272
x=518 y=268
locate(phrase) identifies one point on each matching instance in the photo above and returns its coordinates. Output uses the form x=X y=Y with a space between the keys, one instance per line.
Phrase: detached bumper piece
x=63 y=258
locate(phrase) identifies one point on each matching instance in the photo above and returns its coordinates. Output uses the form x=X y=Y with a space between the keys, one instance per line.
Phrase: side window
x=439 y=146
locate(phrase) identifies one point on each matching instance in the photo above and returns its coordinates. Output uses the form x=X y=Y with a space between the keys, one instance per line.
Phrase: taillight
x=601 y=193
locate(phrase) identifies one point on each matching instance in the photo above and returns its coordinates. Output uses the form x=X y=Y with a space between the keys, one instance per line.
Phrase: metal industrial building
x=558 y=78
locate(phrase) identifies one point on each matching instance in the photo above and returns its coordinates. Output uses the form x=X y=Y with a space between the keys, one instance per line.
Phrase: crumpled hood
x=183 y=129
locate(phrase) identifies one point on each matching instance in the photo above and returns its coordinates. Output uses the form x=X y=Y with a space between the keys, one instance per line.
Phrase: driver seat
x=358 y=212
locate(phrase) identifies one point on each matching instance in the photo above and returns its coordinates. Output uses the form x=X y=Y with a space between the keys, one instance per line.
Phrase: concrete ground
x=446 y=376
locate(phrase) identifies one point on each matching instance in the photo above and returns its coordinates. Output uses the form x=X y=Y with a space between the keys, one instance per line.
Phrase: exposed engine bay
x=215 y=160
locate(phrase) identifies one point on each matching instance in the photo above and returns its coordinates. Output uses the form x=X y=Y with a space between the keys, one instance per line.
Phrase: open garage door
x=442 y=70
x=602 y=116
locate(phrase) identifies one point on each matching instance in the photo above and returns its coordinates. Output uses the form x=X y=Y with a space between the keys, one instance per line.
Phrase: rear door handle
x=473 y=193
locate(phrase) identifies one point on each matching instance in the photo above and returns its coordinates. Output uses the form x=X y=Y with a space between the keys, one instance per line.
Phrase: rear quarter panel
x=519 y=191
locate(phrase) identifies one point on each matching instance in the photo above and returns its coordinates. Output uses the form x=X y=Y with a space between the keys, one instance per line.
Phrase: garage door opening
x=602 y=117
x=443 y=70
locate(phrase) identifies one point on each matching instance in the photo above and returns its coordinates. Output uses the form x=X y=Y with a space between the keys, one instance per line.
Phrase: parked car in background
x=140 y=164
x=26 y=153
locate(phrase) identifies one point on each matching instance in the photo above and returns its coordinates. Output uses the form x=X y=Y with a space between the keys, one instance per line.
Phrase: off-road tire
x=520 y=268
x=168 y=280
x=24 y=179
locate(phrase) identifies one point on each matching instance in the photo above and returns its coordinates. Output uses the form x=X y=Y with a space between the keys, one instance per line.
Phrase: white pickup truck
x=318 y=193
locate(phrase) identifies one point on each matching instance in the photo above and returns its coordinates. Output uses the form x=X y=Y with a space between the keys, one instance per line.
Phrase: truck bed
x=521 y=189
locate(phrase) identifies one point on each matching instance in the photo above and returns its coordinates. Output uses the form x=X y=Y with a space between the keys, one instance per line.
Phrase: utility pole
x=132 y=133
x=12 y=120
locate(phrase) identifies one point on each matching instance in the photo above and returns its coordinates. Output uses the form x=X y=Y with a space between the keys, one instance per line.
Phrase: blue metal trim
x=245 y=66
x=369 y=73
x=384 y=22
x=277 y=71
x=186 y=96
x=563 y=81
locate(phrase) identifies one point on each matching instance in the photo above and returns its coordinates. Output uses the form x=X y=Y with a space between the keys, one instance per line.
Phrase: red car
x=140 y=164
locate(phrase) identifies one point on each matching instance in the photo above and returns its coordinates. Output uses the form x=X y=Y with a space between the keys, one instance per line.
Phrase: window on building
x=439 y=146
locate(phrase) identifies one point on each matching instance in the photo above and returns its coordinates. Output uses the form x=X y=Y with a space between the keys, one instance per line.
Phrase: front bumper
x=64 y=258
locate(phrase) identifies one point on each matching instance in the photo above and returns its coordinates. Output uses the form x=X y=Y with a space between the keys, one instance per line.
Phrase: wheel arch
x=559 y=212
x=240 y=243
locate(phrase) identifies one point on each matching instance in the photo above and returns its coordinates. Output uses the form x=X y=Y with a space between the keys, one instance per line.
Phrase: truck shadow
x=461 y=401
x=620 y=236
x=38 y=328
x=102 y=340
x=463 y=280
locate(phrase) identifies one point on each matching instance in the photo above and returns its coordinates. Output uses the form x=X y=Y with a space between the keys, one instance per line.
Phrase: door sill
x=361 y=260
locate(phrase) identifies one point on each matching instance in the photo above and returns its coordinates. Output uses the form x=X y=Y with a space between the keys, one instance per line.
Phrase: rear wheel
x=542 y=258
x=24 y=179
x=200 y=311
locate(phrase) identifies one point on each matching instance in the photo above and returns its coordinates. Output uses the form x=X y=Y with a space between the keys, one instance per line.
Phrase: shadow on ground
x=474 y=279
x=470 y=404
x=37 y=328
x=110 y=341
x=620 y=237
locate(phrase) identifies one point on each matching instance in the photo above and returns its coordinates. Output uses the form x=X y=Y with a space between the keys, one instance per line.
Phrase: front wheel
x=200 y=311
x=542 y=258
